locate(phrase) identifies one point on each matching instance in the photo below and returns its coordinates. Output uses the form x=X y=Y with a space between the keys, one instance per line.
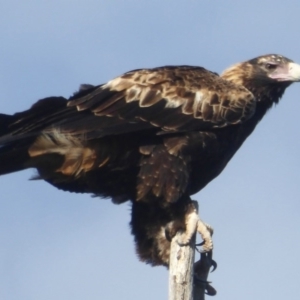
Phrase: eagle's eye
x=270 y=66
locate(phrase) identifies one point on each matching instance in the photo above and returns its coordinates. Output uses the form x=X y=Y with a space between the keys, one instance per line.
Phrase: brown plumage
x=151 y=136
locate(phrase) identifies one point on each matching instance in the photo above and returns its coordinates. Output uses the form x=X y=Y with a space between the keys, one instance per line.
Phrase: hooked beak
x=289 y=72
x=294 y=72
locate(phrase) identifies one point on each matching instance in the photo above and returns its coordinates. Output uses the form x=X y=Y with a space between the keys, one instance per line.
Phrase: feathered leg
x=193 y=224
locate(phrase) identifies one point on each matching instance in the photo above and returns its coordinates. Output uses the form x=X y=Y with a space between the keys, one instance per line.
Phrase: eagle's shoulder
x=170 y=97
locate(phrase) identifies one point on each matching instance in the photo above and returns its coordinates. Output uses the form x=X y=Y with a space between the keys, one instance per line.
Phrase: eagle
x=153 y=137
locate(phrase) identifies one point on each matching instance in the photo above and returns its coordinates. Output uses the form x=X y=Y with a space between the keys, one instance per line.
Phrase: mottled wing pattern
x=177 y=98
x=112 y=130
x=172 y=98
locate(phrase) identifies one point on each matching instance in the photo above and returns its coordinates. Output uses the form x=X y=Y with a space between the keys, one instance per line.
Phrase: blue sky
x=57 y=245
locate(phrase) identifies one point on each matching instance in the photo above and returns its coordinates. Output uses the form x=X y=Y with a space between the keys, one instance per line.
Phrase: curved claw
x=210 y=291
x=207 y=256
x=214 y=265
x=200 y=244
x=204 y=249
x=200 y=281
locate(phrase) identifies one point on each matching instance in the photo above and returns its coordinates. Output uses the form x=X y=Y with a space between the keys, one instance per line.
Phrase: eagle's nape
x=151 y=136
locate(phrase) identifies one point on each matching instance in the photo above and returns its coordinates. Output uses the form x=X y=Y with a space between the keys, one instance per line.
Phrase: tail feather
x=12 y=160
x=15 y=157
x=18 y=132
x=12 y=155
x=5 y=120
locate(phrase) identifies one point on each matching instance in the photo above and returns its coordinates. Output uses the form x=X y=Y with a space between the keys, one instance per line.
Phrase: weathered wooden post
x=182 y=284
x=181 y=270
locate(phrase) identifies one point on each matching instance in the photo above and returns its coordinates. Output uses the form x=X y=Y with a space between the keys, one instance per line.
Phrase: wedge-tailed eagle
x=150 y=136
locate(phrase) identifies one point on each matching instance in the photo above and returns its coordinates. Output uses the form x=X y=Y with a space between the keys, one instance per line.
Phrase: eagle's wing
x=170 y=99
x=61 y=138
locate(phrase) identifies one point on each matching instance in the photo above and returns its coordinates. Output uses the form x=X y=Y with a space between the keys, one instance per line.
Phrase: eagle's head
x=265 y=76
x=274 y=68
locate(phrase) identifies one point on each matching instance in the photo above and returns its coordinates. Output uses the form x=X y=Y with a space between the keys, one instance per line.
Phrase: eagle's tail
x=5 y=120
x=13 y=154
x=19 y=131
x=13 y=159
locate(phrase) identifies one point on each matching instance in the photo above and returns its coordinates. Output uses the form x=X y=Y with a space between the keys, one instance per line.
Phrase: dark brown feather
x=151 y=136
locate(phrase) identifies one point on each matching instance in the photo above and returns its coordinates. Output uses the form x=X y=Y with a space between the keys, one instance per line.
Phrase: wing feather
x=152 y=101
x=169 y=99
x=173 y=98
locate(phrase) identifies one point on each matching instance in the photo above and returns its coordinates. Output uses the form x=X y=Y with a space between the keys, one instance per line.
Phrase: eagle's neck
x=265 y=95
x=266 y=92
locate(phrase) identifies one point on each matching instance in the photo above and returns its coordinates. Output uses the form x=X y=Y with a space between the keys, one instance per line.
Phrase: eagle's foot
x=195 y=224
x=202 y=268
x=206 y=232
x=204 y=285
